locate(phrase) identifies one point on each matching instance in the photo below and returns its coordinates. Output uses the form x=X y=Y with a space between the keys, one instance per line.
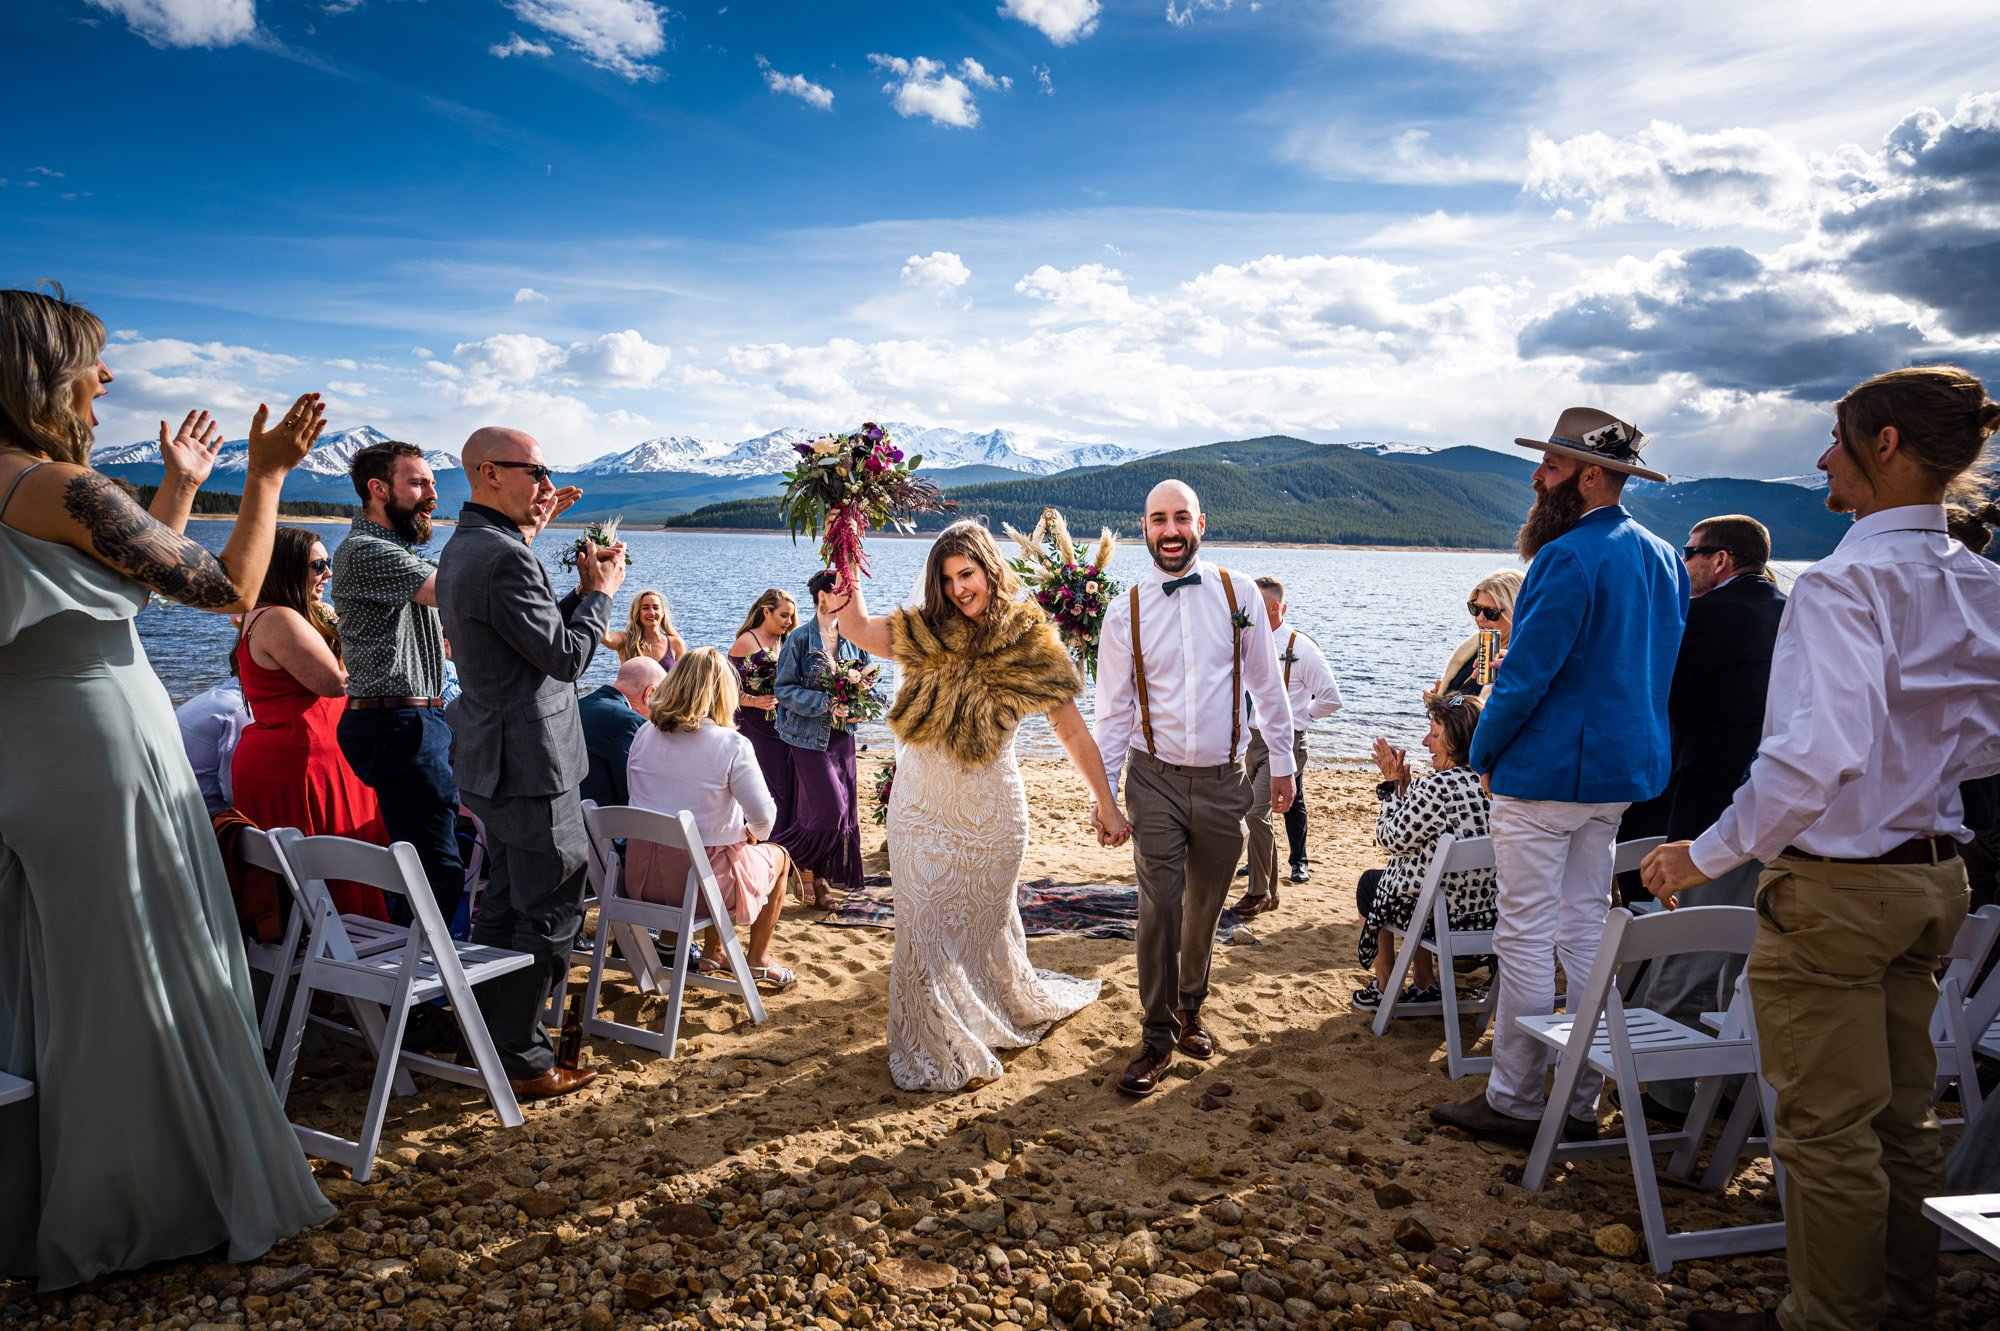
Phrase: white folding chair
x=1955 y=1031
x=701 y=907
x=429 y=964
x=1452 y=855
x=631 y=947
x=281 y=960
x=13 y=1089
x=1631 y=1046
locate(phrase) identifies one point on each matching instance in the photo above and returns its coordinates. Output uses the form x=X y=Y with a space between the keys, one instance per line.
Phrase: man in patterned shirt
x=394 y=732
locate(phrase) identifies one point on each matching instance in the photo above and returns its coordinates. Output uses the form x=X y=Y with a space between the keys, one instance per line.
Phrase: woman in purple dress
x=755 y=656
x=823 y=828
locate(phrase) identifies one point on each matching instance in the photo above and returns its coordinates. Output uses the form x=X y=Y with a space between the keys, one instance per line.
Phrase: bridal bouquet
x=1074 y=591
x=603 y=535
x=885 y=781
x=847 y=485
x=852 y=686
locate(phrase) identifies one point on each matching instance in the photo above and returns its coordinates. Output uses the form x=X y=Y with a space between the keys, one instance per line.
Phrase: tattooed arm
x=77 y=507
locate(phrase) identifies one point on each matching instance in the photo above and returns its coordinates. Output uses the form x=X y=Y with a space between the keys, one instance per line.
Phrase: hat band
x=1622 y=450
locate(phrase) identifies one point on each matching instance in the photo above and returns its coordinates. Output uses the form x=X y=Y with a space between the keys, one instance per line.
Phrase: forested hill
x=1283 y=489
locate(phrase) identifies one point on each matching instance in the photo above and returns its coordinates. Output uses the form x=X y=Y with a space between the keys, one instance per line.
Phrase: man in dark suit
x=519 y=753
x=1716 y=710
x=611 y=715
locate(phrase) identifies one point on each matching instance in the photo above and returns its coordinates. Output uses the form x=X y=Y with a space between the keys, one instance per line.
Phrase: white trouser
x=1553 y=863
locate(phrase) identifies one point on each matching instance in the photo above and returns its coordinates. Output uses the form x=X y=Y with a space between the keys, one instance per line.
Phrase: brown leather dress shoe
x=556 y=1081
x=1706 y=1320
x=1195 y=1041
x=1247 y=905
x=1142 y=1075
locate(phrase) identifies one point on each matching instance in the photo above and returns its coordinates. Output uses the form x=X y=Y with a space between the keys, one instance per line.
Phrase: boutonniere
x=1241 y=619
x=1288 y=657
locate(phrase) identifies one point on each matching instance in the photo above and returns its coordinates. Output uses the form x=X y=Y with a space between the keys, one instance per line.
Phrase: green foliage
x=221 y=501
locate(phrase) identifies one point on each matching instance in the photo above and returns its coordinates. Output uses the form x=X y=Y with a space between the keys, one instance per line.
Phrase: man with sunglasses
x=519 y=753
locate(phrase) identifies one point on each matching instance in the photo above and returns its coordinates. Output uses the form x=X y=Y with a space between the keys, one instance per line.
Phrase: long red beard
x=1555 y=511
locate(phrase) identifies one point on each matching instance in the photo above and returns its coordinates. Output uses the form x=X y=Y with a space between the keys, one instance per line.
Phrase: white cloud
x=516 y=44
x=512 y=358
x=1732 y=177
x=1183 y=14
x=1061 y=21
x=796 y=85
x=186 y=22
x=529 y=296
x=1043 y=80
x=612 y=360
x=616 y=35
x=938 y=271
x=169 y=353
x=45 y=171
x=925 y=87
x=347 y=387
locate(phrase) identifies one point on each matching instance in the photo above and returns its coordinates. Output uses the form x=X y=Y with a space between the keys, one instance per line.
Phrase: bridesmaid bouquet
x=852 y=686
x=847 y=485
x=1073 y=591
x=759 y=674
x=603 y=535
x=885 y=781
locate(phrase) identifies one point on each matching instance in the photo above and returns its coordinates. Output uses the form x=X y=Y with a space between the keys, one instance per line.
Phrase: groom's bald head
x=1174 y=525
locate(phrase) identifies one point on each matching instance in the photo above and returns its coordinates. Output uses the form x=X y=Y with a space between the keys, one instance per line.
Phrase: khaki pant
x=1258 y=827
x=1187 y=833
x=1842 y=978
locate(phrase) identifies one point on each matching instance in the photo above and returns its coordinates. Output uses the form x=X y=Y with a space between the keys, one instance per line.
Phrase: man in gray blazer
x=518 y=747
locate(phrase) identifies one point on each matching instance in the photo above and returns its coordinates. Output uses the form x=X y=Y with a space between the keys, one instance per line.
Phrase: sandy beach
x=772 y=1176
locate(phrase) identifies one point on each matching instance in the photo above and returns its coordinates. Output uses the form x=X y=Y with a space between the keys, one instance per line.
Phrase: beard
x=413 y=524
x=1555 y=511
x=1176 y=563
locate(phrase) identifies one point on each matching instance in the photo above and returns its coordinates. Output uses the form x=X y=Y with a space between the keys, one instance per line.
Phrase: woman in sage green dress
x=153 y=1131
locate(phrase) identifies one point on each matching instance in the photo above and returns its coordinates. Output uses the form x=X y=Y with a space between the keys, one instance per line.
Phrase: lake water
x=1386 y=619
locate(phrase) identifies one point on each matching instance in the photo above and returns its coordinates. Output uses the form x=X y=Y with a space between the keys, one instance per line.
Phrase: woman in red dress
x=288 y=768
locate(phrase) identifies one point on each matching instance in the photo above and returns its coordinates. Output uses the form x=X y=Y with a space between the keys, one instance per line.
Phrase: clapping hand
x=601 y=569
x=1392 y=763
x=281 y=447
x=190 y=452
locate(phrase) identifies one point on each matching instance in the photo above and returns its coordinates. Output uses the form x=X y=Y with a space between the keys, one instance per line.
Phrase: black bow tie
x=1173 y=585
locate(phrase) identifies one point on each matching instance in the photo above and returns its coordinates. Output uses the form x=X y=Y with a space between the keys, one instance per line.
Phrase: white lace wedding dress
x=960 y=985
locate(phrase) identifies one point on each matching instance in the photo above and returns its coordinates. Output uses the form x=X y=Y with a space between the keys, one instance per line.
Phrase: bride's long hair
x=968 y=540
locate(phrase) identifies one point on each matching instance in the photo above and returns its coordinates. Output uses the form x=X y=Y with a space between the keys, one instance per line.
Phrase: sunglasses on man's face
x=1484 y=611
x=535 y=470
x=1690 y=551
x=321 y=565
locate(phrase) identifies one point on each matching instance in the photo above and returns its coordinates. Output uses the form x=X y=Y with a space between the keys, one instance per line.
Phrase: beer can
x=1489 y=647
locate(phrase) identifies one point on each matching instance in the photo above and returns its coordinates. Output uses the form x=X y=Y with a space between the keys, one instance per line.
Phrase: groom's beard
x=1555 y=511
x=1181 y=560
x=413 y=524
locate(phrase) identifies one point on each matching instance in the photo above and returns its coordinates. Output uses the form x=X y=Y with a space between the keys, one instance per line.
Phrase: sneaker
x=1370 y=998
x=1429 y=993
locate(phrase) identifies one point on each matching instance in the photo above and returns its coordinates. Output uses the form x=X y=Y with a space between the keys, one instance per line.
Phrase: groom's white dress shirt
x=1187 y=641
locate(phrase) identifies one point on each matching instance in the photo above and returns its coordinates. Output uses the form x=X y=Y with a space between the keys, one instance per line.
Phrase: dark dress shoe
x=1481 y=1119
x=1300 y=874
x=556 y=1081
x=1194 y=1041
x=1142 y=1075
x=1247 y=905
x=1705 y=1320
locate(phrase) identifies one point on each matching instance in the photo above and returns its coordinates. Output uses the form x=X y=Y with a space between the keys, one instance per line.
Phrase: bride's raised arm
x=868 y=632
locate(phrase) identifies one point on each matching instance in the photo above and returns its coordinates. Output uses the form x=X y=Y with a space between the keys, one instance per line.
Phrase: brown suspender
x=1235 y=671
x=1290 y=656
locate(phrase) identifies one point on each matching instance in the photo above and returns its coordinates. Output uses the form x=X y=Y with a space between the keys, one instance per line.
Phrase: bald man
x=612 y=714
x=1179 y=653
x=519 y=753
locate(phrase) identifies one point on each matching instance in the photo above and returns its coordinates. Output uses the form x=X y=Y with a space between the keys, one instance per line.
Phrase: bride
x=975 y=659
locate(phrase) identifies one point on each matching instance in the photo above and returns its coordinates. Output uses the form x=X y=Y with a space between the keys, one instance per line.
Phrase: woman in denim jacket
x=824 y=833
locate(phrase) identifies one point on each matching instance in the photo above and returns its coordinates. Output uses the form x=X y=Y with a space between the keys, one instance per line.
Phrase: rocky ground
x=773 y=1177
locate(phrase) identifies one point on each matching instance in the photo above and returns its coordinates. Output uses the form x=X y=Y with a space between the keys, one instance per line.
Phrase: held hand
x=280 y=448
x=760 y=704
x=1669 y=870
x=1283 y=789
x=1117 y=830
x=190 y=453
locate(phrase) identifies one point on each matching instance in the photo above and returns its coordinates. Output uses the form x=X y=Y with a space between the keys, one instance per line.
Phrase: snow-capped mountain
x=330 y=456
x=1392 y=450
x=940 y=447
x=1814 y=480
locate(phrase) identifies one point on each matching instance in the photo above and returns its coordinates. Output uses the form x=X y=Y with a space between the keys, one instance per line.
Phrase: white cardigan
x=711 y=772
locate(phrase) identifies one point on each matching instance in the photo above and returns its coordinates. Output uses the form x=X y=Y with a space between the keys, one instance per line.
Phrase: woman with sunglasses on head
x=1491 y=606
x=288 y=770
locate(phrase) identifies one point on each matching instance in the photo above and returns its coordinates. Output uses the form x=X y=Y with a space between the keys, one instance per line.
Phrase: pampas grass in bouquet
x=1073 y=590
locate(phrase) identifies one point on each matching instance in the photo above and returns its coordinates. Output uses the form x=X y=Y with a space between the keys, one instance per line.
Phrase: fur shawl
x=967 y=697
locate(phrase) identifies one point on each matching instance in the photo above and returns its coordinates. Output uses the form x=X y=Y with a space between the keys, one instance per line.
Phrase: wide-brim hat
x=1598 y=437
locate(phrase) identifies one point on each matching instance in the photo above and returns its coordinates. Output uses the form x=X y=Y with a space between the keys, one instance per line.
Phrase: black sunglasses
x=1484 y=612
x=534 y=469
x=320 y=565
x=1690 y=551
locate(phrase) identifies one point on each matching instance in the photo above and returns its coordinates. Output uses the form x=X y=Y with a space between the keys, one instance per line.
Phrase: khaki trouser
x=1258 y=826
x=1842 y=978
x=1187 y=834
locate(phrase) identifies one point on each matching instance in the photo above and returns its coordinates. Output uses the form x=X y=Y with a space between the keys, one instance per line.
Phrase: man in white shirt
x=1180 y=653
x=1884 y=696
x=1310 y=689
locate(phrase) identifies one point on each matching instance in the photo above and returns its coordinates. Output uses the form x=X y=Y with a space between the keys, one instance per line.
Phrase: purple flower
x=803 y=450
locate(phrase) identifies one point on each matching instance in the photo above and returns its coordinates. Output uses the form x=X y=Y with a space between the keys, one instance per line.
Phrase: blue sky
x=1151 y=224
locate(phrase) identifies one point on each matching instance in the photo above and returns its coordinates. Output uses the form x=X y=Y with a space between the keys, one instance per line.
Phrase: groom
x=1178 y=654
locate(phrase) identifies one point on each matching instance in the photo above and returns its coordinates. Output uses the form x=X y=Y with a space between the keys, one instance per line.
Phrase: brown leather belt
x=1917 y=850
x=390 y=704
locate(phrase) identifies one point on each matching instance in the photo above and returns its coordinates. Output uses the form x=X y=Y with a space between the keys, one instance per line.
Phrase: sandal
x=823 y=896
x=774 y=977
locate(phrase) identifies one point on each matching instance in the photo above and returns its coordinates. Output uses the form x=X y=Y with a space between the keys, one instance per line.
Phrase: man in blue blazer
x=1574 y=731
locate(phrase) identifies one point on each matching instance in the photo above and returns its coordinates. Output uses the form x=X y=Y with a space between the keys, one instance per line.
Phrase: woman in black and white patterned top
x=1415 y=813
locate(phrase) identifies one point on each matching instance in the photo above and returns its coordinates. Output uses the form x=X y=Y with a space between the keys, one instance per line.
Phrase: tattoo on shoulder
x=128 y=539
